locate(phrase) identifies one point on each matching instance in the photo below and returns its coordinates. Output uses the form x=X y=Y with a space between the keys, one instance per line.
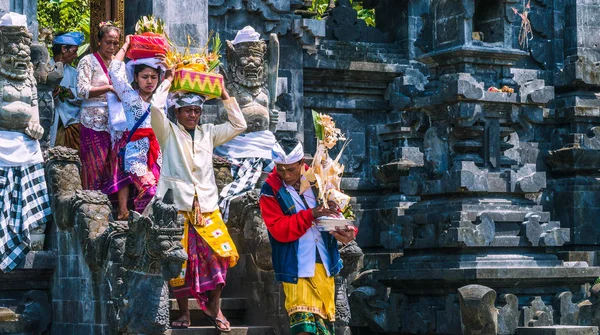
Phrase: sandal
x=182 y=323
x=214 y=321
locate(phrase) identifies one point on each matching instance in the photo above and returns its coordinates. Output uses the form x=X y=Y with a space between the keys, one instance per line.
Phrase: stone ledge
x=558 y=330
x=45 y=259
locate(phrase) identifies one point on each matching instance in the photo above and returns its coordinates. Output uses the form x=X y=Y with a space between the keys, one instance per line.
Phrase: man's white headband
x=279 y=156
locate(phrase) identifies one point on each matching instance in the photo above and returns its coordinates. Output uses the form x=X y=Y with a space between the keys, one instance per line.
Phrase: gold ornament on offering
x=324 y=172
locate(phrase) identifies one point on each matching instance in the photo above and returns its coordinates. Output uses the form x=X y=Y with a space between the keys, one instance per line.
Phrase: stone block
x=558 y=330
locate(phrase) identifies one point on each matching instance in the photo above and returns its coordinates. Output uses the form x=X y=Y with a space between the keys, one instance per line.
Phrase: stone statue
x=153 y=255
x=478 y=314
x=136 y=259
x=23 y=192
x=252 y=69
x=19 y=93
x=251 y=73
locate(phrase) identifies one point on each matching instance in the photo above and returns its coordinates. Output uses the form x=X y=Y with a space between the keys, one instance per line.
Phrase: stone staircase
x=233 y=308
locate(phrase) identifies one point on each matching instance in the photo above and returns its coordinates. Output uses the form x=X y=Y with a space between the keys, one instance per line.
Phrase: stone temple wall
x=473 y=160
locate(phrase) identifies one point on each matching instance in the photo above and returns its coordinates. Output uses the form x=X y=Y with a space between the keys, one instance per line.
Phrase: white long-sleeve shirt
x=187 y=163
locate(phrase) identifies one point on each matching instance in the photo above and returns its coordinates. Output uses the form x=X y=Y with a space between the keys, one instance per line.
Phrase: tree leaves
x=321 y=7
x=64 y=16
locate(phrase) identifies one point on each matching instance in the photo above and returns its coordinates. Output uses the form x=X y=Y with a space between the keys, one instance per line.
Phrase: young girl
x=142 y=158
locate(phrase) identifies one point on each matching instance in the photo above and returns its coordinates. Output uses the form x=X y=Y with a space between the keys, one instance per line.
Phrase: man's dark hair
x=288 y=144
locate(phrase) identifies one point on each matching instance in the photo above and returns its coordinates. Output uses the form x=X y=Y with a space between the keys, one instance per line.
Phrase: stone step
x=234 y=310
x=226 y=304
x=254 y=330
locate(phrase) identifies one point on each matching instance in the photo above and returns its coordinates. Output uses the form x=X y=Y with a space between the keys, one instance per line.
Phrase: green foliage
x=368 y=15
x=65 y=16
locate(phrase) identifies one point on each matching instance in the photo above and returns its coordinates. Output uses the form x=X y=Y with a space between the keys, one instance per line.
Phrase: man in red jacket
x=304 y=258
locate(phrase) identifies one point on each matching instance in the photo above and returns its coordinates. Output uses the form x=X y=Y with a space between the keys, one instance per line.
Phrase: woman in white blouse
x=142 y=158
x=98 y=138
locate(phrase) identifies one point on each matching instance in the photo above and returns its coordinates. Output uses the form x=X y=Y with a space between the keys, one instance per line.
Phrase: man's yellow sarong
x=212 y=229
x=313 y=295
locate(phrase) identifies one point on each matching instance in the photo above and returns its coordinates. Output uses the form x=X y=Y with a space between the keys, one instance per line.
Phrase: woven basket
x=203 y=83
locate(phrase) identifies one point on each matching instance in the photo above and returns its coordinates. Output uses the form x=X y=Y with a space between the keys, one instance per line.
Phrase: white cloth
x=255 y=144
x=66 y=112
x=280 y=157
x=18 y=149
x=248 y=34
x=136 y=152
x=151 y=62
x=116 y=114
x=311 y=240
x=13 y=19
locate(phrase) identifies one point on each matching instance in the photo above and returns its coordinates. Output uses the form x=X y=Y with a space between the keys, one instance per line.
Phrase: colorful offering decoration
x=324 y=172
x=203 y=83
x=149 y=39
x=198 y=72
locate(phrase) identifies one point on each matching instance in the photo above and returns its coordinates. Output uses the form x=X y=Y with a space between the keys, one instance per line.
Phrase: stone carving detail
x=538 y=315
x=46 y=81
x=252 y=69
x=153 y=255
x=273 y=16
x=19 y=92
x=508 y=315
x=37 y=315
x=478 y=314
x=308 y=33
x=136 y=258
x=351 y=255
x=547 y=234
x=369 y=302
x=568 y=312
x=589 y=309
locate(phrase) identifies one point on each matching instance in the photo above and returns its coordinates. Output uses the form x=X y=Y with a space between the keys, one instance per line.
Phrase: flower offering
x=324 y=171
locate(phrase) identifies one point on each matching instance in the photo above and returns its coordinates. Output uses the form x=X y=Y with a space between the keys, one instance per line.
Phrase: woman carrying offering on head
x=142 y=157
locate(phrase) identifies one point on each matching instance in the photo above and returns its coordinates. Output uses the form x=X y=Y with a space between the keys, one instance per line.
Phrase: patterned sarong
x=211 y=228
x=117 y=178
x=25 y=206
x=145 y=186
x=303 y=322
x=68 y=137
x=95 y=147
x=245 y=173
x=311 y=302
x=210 y=254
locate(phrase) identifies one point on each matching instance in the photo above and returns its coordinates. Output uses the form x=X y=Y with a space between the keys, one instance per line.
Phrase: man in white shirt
x=304 y=258
x=65 y=129
x=188 y=170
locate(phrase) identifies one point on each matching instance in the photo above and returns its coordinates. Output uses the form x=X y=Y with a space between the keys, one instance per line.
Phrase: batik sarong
x=117 y=178
x=145 y=186
x=24 y=206
x=210 y=254
x=95 y=149
x=310 y=303
x=68 y=137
